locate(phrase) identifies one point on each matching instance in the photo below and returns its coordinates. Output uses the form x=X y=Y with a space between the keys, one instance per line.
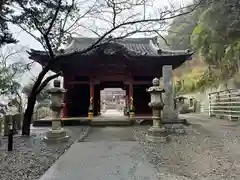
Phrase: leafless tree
x=13 y=65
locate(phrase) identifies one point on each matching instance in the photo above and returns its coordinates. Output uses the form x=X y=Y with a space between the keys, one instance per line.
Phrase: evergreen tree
x=5 y=36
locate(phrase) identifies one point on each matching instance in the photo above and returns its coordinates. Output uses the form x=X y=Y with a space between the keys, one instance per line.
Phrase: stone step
x=111 y=123
x=174 y=121
x=46 y=123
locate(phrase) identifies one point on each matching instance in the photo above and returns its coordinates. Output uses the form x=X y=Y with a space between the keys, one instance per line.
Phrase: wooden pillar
x=130 y=93
x=131 y=107
x=65 y=109
x=91 y=90
x=130 y=89
x=91 y=103
x=96 y=100
x=127 y=95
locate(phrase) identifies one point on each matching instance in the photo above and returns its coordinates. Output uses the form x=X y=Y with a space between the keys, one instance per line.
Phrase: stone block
x=56 y=124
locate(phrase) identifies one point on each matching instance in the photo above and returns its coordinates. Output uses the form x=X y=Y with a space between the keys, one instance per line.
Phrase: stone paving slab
x=103 y=160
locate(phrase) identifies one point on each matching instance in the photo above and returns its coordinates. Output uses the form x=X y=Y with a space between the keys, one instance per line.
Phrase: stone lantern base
x=59 y=135
x=157 y=134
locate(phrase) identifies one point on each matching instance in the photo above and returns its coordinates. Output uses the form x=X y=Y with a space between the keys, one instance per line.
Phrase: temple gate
x=129 y=63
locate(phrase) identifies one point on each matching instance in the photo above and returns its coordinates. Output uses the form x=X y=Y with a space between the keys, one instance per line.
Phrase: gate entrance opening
x=113 y=101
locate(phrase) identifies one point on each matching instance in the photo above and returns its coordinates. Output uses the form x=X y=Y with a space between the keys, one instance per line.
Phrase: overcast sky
x=28 y=41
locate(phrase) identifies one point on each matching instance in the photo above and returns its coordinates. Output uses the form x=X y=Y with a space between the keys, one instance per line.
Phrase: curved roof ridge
x=176 y=51
x=142 y=40
x=154 y=46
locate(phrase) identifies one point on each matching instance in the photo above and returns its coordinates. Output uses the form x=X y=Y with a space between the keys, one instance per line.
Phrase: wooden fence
x=16 y=120
x=8 y=120
x=225 y=104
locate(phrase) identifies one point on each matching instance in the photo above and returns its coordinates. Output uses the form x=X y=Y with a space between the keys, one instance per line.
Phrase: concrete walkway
x=109 y=153
x=102 y=160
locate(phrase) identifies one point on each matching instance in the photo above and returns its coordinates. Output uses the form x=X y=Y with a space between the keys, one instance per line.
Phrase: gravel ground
x=201 y=154
x=31 y=157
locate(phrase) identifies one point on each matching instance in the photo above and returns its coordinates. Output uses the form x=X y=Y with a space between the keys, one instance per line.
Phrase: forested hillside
x=212 y=31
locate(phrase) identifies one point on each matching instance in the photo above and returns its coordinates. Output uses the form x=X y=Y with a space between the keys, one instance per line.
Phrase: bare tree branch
x=53 y=18
x=47 y=80
x=81 y=17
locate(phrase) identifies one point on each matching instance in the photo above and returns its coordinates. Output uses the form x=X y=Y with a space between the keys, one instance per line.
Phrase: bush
x=189 y=81
x=43 y=112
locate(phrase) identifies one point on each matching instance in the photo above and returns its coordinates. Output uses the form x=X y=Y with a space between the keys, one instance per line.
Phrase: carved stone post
x=57 y=133
x=157 y=133
x=168 y=97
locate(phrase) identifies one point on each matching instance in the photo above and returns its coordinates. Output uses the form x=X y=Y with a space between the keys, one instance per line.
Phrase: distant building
x=112 y=94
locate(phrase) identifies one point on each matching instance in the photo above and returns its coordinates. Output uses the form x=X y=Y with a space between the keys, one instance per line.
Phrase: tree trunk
x=28 y=114
x=31 y=101
x=33 y=96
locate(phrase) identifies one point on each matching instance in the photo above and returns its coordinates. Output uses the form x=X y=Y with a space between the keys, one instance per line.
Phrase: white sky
x=28 y=41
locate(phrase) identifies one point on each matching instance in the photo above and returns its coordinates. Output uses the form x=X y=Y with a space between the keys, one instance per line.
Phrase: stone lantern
x=157 y=133
x=57 y=133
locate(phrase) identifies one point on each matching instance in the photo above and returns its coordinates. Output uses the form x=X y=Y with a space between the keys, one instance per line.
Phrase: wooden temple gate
x=130 y=64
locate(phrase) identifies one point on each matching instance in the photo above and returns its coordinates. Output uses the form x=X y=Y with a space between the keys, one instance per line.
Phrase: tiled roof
x=140 y=46
x=130 y=46
x=134 y=46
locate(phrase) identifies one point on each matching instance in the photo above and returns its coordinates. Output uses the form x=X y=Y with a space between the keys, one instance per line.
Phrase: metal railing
x=225 y=104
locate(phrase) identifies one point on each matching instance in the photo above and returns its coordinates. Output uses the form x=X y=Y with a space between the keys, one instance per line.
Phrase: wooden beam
x=99 y=82
x=77 y=82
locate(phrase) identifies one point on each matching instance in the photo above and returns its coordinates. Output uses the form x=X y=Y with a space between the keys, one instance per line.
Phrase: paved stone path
x=109 y=154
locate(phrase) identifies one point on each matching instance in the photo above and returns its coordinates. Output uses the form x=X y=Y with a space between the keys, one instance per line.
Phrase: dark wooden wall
x=78 y=100
x=141 y=98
